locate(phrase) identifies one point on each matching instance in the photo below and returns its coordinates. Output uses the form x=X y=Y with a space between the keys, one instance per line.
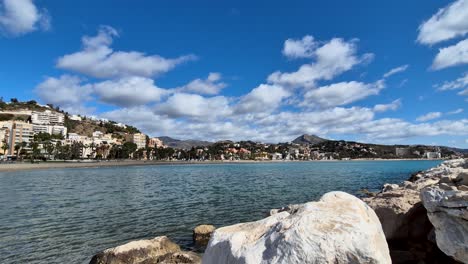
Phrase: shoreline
x=25 y=166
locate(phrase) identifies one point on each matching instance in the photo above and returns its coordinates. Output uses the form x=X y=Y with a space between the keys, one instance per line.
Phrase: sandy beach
x=21 y=166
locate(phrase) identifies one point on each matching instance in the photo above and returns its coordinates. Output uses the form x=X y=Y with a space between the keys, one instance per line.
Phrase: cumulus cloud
x=429 y=116
x=97 y=59
x=451 y=56
x=264 y=98
x=396 y=70
x=129 y=91
x=212 y=85
x=387 y=107
x=183 y=105
x=302 y=48
x=331 y=59
x=67 y=91
x=18 y=17
x=449 y=22
x=342 y=93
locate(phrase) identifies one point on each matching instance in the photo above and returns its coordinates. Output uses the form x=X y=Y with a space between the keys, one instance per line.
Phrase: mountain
x=183 y=144
x=309 y=140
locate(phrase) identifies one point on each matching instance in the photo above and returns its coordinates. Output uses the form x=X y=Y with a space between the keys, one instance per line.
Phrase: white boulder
x=339 y=228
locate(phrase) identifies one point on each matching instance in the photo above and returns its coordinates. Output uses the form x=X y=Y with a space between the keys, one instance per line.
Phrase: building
x=433 y=155
x=75 y=117
x=155 y=143
x=47 y=118
x=16 y=132
x=4 y=138
x=139 y=139
x=51 y=129
x=402 y=152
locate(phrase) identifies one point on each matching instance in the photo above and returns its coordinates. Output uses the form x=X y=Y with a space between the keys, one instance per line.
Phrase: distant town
x=30 y=131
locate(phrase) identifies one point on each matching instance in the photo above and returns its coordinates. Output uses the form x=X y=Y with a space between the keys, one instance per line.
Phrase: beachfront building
x=139 y=139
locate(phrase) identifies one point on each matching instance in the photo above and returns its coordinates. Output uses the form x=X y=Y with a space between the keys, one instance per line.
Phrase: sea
x=68 y=215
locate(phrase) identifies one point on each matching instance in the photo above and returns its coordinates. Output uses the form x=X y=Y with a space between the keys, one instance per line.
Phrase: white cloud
x=210 y=86
x=451 y=56
x=264 y=98
x=429 y=116
x=331 y=59
x=459 y=83
x=454 y=112
x=302 y=48
x=342 y=93
x=449 y=22
x=97 y=59
x=396 y=70
x=67 y=91
x=195 y=106
x=387 y=107
x=18 y=17
x=129 y=91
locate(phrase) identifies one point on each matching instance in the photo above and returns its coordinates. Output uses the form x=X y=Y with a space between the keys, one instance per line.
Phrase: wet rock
x=202 y=234
x=339 y=228
x=156 y=250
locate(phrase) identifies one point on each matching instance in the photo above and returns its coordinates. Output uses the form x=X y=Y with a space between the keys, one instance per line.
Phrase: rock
x=156 y=250
x=463 y=188
x=390 y=187
x=448 y=212
x=339 y=228
x=462 y=178
x=202 y=234
x=446 y=180
x=401 y=214
x=447 y=187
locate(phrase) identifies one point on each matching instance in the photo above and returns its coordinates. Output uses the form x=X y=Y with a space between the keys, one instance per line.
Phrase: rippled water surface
x=67 y=215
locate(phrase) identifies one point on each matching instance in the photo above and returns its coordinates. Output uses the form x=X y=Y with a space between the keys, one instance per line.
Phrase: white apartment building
x=75 y=117
x=51 y=129
x=139 y=139
x=47 y=118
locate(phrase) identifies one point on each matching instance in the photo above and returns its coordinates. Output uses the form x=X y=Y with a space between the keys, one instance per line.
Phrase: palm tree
x=5 y=146
x=17 y=149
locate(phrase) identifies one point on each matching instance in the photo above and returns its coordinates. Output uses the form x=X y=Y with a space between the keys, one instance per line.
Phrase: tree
x=5 y=146
x=128 y=148
x=17 y=149
x=34 y=150
x=14 y=100
x=49 y=147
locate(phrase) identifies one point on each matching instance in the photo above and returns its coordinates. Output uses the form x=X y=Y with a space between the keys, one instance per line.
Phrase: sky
x=391 y=72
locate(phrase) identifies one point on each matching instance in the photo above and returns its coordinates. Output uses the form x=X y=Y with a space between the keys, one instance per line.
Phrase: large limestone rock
x=156 y=250
x=401 y=213
x=339 y=228
x=448 y=212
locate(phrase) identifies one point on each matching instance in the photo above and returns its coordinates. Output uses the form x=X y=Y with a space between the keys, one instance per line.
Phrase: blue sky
x=384 y=72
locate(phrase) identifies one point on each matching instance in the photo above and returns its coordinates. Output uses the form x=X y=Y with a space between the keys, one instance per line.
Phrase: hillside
x=183 y=144
x=309 y=140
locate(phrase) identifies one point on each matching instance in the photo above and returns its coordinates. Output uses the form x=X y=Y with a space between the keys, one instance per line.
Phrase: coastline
x=25 y=166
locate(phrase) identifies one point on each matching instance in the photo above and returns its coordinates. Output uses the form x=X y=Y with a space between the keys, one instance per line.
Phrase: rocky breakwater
x=339 y=228
x=156 y=250
x=447 y=208
x=408 y=227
